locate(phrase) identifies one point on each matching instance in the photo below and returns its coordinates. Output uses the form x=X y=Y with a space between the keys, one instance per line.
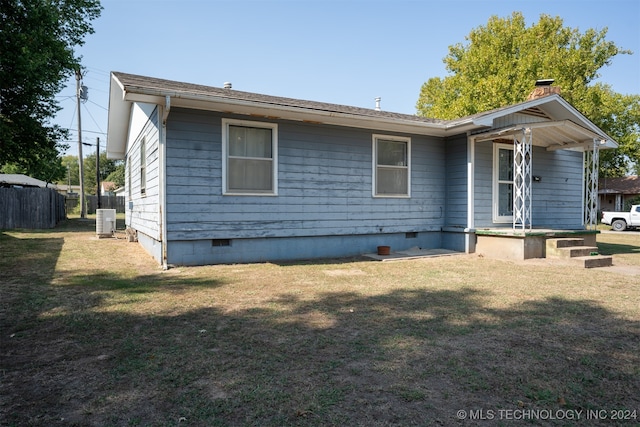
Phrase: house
x=23 y=181
x=119 y=192
x=217 y=175
x=107 y=188
x=615 y=193
x=68 y=190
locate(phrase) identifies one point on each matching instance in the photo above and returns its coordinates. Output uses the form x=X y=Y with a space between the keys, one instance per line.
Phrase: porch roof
x=552 y=135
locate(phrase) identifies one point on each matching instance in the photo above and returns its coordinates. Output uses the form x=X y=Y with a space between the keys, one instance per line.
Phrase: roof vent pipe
x=227 y=85
x=378 y=99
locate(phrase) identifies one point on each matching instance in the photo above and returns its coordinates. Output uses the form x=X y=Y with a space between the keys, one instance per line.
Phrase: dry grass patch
x=94 y=333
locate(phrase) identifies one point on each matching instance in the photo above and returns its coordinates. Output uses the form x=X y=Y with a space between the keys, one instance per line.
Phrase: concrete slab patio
x=412 y=253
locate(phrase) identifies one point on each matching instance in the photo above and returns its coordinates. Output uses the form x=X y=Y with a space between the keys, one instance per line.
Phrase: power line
x=84 y=130
x=94 y=120
x=98 y=105
x=75 y=106
x=99 y=71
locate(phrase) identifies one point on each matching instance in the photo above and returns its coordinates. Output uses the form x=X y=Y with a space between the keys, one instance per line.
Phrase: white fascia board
x=462 y=127
x=118 y=121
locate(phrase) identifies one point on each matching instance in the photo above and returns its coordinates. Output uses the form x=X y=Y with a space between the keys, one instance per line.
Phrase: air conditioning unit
x=105 y=222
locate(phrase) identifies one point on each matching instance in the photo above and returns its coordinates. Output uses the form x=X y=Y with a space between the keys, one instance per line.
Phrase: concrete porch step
x=594 y=261
x=554 y=247
x=564 y=242
x=575 y=251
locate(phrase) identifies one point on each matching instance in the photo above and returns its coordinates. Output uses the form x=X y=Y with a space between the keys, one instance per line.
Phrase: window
x=249 y=151
x=391 y=166
x=143 y=166
x=502 y=183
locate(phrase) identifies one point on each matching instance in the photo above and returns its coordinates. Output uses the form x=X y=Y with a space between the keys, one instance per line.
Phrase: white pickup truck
x=620 y=221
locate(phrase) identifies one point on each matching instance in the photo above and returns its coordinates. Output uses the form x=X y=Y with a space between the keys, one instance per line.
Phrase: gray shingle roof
x=621 y=185
x=22 y=180
x=132 y=82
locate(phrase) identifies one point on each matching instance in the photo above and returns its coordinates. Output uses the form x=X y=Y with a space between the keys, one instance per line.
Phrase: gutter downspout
x=470 y=236
x=163 y=179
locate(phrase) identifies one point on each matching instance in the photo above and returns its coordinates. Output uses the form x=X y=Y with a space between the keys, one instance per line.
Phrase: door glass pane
x=505 y=199
x=505 y=171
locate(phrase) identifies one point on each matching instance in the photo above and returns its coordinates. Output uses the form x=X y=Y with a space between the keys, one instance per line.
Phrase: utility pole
x=98 y=171
x=83 y=211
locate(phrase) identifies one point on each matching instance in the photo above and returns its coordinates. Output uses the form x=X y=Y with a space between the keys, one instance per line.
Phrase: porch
x=508 y=243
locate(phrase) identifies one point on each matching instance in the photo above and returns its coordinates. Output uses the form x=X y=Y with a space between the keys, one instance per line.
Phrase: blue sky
x=344 y=52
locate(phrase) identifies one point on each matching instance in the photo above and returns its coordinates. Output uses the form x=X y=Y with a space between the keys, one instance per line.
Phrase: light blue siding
x=142 y=211
x=456 y=165
x=456 y=182
x=483 y=185
x=324 y=189
x=557 y=198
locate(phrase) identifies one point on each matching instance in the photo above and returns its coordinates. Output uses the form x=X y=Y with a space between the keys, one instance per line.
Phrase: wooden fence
x=31 y=208
x=106 y=202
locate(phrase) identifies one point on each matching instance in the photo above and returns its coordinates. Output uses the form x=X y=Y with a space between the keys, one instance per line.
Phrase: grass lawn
x=93 y=332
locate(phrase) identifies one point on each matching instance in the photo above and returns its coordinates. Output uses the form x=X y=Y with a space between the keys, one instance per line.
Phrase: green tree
x=501 y=61
x=107 y=167
x=37 y=41
x=117 y=176
x=72 y=174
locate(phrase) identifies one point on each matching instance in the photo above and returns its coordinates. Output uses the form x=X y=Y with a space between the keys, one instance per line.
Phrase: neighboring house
x=107 y=188
x=23 y=181
x=216 y=175
x=66 y=189
x=616 y=192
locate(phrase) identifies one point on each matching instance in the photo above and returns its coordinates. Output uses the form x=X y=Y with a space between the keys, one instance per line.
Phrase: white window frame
x=374 y=165
x=497 y=218
x=143 y=166
x=225 y=157
x=129 y=169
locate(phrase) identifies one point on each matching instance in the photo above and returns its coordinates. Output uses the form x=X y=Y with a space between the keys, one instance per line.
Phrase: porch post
x=522 y=158
x=592 y=161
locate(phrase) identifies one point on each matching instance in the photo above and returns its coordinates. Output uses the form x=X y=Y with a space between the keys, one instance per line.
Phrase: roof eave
x=276 y=111
x=118 y=119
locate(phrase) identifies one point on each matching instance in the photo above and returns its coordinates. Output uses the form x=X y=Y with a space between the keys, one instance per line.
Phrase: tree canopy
x=110 y=170
x=501 y=61
x=37 y=44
